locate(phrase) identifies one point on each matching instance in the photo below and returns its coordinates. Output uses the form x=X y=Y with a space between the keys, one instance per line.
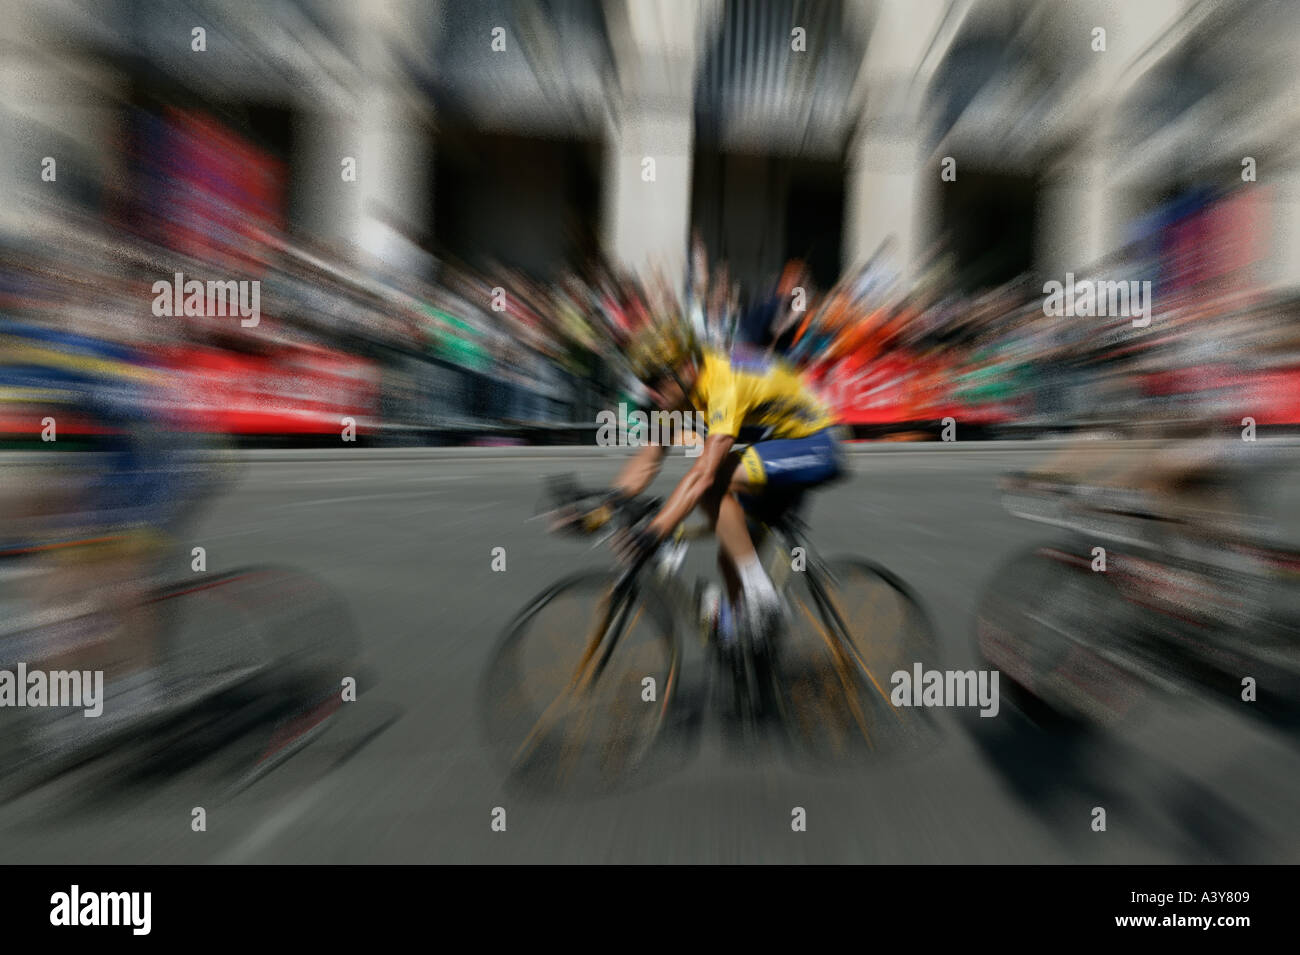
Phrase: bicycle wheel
x=566 y=702
x=1051 y=629
x=274 y=629
x=257 y=660
x=244 y=650
x=849 y=633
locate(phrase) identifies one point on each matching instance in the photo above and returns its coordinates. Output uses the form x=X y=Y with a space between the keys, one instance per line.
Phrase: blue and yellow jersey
x=752 y=396
x=41 y=366
x=93 y=389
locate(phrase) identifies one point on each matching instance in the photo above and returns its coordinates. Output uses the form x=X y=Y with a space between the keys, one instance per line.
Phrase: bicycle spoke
x=575 y=740
x=835 y=709
x=564 y=700
x=582 y=673
x=583 y=723
x=846 y=645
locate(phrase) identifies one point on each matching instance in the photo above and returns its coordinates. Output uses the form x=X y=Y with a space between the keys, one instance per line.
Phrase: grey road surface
x=403 y=776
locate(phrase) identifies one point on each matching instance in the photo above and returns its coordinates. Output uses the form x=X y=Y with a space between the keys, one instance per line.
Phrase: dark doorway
x=989 y=218
x=755 y=212
x=528 y=203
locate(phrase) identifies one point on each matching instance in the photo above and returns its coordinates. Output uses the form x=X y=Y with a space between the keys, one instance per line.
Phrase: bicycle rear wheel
x=565 y=700
x=849 y=633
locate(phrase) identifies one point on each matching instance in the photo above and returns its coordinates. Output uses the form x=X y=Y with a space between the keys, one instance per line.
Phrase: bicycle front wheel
x=850 y=631
x=1052 y=629
x=577 y=694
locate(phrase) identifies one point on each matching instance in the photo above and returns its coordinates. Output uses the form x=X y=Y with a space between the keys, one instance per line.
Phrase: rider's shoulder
x=747 y=360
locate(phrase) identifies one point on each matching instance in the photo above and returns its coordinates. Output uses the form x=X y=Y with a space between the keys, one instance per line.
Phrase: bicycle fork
x=611 y=624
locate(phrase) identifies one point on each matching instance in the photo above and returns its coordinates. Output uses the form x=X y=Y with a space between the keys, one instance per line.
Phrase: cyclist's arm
x=639 y=472
x=694 y=485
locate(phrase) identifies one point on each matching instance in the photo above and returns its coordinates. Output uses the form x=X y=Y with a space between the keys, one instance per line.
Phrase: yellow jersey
x=752 y=396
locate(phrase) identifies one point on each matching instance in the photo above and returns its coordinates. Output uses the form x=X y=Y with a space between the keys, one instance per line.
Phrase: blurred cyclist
x=740 y=396
x=93 y=546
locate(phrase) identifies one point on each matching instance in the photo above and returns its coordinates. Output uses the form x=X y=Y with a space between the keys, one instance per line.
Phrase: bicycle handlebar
x=564 y=494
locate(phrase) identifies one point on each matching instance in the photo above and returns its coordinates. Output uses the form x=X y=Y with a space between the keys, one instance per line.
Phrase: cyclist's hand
x=634 y=544
x=585 y=515
x=596 y=518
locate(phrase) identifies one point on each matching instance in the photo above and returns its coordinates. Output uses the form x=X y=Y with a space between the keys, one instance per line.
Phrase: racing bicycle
x=585 y=686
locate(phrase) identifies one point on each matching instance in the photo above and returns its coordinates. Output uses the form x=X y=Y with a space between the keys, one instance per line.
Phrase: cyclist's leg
x=778 y=473
x=737 y=559
x=99 y=618
x=773 y=471
x=727 y=520
x=748 y=586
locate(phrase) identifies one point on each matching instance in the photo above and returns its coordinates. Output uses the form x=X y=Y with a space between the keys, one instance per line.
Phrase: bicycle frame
x=790 y=675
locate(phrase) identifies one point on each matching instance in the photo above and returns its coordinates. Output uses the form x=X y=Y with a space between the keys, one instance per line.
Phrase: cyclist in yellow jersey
x=742 y=397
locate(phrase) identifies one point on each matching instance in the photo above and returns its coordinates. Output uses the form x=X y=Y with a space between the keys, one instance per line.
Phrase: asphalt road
x=403 y=776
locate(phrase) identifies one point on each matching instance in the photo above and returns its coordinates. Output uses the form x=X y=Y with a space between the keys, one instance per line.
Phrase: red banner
x=301 y=390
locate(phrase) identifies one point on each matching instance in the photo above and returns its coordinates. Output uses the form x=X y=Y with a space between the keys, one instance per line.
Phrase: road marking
x=357 y=497
x=275 y=825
